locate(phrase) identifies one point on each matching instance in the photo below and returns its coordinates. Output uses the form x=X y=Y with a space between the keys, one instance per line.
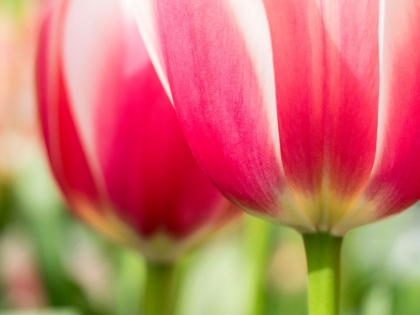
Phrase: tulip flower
x=306 y=113
x=113 y=138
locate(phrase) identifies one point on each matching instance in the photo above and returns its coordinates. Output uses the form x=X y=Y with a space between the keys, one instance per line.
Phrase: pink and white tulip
x=112 y=136
x=305 y=112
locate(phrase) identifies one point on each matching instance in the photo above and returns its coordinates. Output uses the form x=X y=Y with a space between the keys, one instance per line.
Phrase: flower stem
x=161 y=289
x=323 y=256
x=259 y=242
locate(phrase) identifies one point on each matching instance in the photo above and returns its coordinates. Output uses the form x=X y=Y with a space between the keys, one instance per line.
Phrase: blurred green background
x=51 y=264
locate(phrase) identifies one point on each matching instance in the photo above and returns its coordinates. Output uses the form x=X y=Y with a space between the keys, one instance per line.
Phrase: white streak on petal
x=382 y=108
x=145 y=12
x=252 y=22
x=85 y=61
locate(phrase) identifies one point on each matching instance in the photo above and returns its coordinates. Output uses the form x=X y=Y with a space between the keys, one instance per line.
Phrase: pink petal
x=224 y=93
x=396 y=178
x=152 y=178
x=93 y=70
x=326 y=68
x=64 y=150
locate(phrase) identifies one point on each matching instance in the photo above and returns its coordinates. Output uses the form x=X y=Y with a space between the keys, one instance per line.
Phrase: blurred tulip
x=304 y=112
x=113 y=139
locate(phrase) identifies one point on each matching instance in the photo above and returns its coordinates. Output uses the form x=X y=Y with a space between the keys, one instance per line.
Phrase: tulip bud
x=112 y=136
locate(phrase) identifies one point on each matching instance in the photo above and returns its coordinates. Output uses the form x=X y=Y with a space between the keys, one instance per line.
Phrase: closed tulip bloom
x=112 y=136
x=305 y=112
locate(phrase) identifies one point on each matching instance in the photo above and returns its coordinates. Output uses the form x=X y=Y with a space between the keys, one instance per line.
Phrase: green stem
x=130 y=281
x=259 y=242
x=323 y=256
x=161 y=287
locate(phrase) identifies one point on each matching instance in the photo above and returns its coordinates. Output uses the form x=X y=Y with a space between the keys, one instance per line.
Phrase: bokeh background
x=50 y=264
